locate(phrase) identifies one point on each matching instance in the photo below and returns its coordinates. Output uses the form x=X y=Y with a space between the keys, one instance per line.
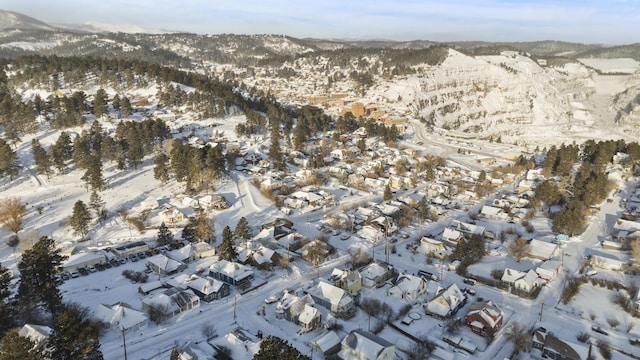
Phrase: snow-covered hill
x=14 y=20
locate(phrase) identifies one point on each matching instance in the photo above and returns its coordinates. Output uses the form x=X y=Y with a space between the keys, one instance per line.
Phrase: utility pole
x=124 y=343
x=541 y=306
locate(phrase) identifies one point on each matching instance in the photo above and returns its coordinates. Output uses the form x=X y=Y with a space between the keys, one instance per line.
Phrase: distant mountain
x=12 y=20
x=98 y=27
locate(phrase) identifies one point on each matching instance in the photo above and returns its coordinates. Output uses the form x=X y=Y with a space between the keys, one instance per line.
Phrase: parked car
x=122 y=261
x=469 y=281
x=599 y=329
x=99 y=267
x=74 y=274
x=591 y=273
x=271 y=299
x=141 y=255
x=107 y=265
x=65 y=276
x=83 y=271
x=92 y=269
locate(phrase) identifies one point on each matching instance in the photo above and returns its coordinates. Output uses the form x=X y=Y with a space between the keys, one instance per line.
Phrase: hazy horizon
x=611 y=22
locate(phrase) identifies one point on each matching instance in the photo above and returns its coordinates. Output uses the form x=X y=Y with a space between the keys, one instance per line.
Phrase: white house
x=121 y=318
x=542 y=250
x=363 y=345
x=408 y=287
x=446 y=303
x=520 y=280
x=38 y=334
x=493 y=213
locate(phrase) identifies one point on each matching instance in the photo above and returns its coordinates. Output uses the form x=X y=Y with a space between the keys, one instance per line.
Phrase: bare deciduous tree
x=12 y=212
x=518 y=248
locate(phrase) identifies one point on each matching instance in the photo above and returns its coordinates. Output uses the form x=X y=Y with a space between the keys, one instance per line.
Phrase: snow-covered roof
x=309 y=313
x=233 y=270
x=542 y=249
x=164 y=263
x=327 y=341
x=511 y=275
x=443 y=303
x=181 y=254
x=334 y=294
x=36 y=333
x=367 y=345
x=120 y=316
x=206 y=285
x=84 y=258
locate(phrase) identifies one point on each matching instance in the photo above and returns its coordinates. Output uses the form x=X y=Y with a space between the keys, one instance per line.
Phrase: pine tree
x=93 y=174
x=189 y=233
x=75 y=336
x=175 y=354
x=165 y=236
x=13 y=346
x=388 y=195
x=275 y=153
x=100 y=103
x=41 y=159
x=38 y=282
x=204 y=230
x=7 y=160
x=6 y=318
x=80 y=219
x=126 y=107
x=275 y=348
x=243 y=230
x=423 y=208
x=161 y=169
x=97 y=204
x=116 y=103
x=61 y=151
x=227 y=251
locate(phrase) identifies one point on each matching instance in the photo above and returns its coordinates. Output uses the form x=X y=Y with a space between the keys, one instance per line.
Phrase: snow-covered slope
x=14 y=20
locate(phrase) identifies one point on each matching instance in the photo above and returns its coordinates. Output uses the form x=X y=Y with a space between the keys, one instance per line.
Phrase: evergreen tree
x=189 y=233
x=275 y=348
x=41 y=159
x=97 y=204
x=6 y=318
x=75 y=336
x=100 y=103
x=165 y=236
x=388 y=195
x=109 y=149
x=161 y=169
x=61 y=151
x=175 y=354
x=93 y=174
x=126 y=107
x=38 y=282
x=7 y=160
x=227 y=251
x=422 y=208
x=275 y=153
x=243 y=230
x=116 y=103
x=204 y=230
x=80 y=219
x=13 y=346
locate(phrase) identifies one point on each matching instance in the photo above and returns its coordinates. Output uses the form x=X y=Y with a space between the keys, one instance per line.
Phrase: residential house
x=163 y=265
x=203 y=250
x=520 y=280
x=484 y=318
x=172 y=215
x=38 y=334
x=327 y=344
x=624 y=231
x=607 y=263
x=363 y=345
x=338 y=301
x=549 y=270
x=408 y=287
x=494 y=213
x=232 y=273
x=170 y=302
x=376 y=274
x=185 y=254
x=121 y=318
x=148 y=205
x=347 y=280
x=434 y=248
x=555 y=348
x=299 y=310
x=542 y=250
x=446 y=303
x=637 y=301
x=451 y=236
x=208 y=289
x=237 y=344
x=469 y=230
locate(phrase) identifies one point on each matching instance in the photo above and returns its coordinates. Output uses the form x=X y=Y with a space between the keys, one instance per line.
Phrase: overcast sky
x=587 y=21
